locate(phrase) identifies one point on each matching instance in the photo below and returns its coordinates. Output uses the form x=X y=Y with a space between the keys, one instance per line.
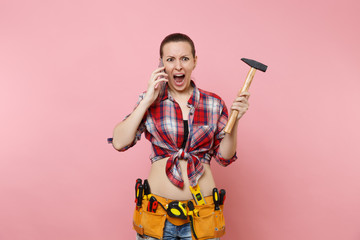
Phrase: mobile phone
x=161 y=84
x=161 y=64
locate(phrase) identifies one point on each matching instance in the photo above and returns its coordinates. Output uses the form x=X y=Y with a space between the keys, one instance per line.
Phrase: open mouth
x=179 y=79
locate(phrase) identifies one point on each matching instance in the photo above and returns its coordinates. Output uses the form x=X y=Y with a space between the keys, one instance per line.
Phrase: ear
x=195 y=62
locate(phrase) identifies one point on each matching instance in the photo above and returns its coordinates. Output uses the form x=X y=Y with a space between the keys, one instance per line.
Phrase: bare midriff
x=160 y=184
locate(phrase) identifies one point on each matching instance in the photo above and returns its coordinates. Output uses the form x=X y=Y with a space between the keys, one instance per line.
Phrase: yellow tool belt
x=207 y=222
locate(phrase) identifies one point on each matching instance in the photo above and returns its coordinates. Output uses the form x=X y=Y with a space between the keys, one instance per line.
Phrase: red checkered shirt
x=164 y=128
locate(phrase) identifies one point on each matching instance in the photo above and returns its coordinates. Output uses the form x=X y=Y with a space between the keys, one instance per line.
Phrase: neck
x=181 y=96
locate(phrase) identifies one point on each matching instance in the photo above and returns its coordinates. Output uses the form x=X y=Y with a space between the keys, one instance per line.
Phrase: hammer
x=254 y=66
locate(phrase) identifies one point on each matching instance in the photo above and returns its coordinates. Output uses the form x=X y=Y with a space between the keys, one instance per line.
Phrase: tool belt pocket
x=149 y=223
x=210 y=224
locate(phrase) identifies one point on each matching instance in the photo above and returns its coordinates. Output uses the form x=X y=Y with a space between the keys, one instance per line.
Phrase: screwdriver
x=146 y=189
x=222 y=196
x=140 y=196
x=216 y=198
x=137 y=184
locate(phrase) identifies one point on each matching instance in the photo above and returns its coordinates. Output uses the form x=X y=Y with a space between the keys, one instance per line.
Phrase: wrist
x=145 y=103
x=234 y=129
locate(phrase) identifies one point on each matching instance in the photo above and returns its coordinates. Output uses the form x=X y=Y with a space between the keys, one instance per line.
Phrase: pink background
x=70 y=70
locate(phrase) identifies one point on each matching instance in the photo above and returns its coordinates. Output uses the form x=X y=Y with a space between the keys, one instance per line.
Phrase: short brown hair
x=177 y=37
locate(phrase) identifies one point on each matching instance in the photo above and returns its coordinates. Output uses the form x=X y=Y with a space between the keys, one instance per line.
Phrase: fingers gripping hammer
x=254 y=66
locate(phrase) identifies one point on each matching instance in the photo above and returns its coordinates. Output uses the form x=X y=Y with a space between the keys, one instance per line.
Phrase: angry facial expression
x=179 y=64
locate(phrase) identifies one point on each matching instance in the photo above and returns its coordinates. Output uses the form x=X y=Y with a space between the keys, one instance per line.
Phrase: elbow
x=116 y=146
x=123 y=139
x=114 y=143
x=123 y=143
x=119 y=145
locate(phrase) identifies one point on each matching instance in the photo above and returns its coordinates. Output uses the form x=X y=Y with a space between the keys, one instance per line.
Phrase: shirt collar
x=193 y=100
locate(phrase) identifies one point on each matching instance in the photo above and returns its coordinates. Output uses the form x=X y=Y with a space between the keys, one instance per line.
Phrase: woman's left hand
x=241 y=104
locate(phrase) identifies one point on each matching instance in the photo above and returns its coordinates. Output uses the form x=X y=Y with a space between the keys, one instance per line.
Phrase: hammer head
x=255 y=64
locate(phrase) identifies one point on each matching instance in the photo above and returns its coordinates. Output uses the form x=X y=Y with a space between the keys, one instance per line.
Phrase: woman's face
x=179 y=64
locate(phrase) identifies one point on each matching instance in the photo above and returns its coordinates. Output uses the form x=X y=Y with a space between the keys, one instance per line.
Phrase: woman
x=185 y=126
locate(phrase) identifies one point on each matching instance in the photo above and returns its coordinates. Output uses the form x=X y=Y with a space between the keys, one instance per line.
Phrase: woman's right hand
x=153 y=90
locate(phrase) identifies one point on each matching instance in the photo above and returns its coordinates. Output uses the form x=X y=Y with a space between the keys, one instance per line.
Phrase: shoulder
x=210 y=96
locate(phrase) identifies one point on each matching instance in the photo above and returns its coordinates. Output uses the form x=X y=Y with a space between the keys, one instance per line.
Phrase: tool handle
x=146 y=187
x=216 y=198
x=152 y=205
x=137 y=184
x=140 y=195
x=149 y=206
x=230 y=124
x=222 y=196
x=190 y=205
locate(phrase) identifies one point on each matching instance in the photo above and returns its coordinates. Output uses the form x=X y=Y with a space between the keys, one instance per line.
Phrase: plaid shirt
x=164 y=128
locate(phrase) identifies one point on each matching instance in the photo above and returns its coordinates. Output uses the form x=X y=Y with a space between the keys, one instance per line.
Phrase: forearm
x=125 y=131
x=228 y=144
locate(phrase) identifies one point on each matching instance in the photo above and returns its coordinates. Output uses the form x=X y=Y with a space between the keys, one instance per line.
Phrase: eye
x=185 y=59
x=170 y=59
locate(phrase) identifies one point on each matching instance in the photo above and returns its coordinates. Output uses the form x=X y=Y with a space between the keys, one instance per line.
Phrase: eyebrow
x=186 y=55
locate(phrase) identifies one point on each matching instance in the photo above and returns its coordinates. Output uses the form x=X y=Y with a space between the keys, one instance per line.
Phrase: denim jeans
x=173 y=232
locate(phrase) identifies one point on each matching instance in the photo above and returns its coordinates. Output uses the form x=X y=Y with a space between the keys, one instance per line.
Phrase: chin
x=181 y=87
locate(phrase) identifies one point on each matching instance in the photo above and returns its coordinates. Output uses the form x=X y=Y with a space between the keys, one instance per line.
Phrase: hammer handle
x=230 y=124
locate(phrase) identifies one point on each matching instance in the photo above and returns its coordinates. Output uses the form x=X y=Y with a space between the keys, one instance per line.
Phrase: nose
x=178 y=65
